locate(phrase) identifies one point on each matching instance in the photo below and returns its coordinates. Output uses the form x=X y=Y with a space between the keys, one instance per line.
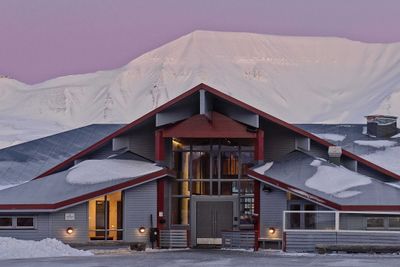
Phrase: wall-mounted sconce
x=267 y=188
x=142 y=230
x=271 y=230
x=70 y=230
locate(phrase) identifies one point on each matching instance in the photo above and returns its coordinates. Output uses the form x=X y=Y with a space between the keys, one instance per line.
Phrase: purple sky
x=42 y=39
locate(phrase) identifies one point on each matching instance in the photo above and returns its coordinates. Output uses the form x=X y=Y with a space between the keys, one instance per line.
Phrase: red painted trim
x=159 y=146
x=324 y=201
x=257 y=213
x=160 y=207
x=232 y=100
x=68 y=202
x=259 y=146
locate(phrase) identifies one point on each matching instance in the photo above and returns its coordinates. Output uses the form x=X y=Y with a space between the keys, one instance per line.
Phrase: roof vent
x=335 y=153
x=381 y=125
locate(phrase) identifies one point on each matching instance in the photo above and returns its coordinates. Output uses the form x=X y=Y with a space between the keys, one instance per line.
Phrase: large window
x=105 y=217
x=212 y=167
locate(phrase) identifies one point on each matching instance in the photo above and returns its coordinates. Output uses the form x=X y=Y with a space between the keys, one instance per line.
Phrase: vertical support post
x=160 y=207
x=159 y=147
x=259 y=147
x=337 y=221
x=256 y=213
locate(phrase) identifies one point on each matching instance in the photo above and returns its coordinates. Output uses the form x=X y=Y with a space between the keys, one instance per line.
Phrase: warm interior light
x=142 y=229
x=271 y=230
x=70 y=230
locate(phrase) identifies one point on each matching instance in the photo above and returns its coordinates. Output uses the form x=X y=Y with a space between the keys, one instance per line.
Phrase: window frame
x=14 y=226
x=25 y=227
x=7 y=227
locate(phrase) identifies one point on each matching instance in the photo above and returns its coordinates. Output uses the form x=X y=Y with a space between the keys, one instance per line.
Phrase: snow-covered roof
x=306 y=174
x=383 y=152
x=64 y=186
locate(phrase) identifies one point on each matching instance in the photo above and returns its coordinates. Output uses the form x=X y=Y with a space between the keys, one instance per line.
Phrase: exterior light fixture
x=142 y=230
x=70 y=230
x=271 y=230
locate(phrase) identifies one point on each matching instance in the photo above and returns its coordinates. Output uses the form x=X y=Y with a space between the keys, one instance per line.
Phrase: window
x=25 y=222
x=394 y=222
x=5 y=222
x=375 y=222
x=17 y=222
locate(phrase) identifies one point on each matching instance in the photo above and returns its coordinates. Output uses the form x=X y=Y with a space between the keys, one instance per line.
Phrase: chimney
x=381 y=126
x=335 y=153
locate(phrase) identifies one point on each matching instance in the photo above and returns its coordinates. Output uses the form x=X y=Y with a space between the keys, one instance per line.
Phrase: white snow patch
x=332 y=180
x=395 y=184
x=388 y=158
x=331 y=137
x=365 y=130
x=346 y=194
x=98 y=171
x=262 y=169
x=396 y=136
x=316 y=163
x=375 y=143
x=11 y=248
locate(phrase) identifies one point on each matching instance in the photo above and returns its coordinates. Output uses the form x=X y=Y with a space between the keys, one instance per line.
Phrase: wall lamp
x=70 y=230
x=271 y=230
x=142 y=230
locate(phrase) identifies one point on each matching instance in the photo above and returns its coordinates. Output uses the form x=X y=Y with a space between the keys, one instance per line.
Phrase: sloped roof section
x=297 y=172
x=25 y=161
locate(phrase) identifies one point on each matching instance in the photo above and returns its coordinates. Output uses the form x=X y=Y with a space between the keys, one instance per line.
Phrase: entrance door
x=213 y=217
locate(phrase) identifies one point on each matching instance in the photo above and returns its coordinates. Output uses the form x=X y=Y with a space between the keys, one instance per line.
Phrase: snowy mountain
x=298 y=79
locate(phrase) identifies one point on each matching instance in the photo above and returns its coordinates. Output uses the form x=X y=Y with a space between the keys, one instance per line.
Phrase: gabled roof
x=231 y=100
x=53 y=192
x=292 y=172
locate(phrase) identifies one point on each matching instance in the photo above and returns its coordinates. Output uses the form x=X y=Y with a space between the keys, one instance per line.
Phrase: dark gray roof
x=25 y=161
x=294 y=169
x=352 y=132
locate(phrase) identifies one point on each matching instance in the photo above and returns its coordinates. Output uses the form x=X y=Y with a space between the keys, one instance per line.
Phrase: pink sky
x=43 y=39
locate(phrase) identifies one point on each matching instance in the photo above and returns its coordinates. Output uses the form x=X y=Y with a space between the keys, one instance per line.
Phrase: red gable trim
x=143 y=179
x=320 y=200
x=199 y=126
x=232 y=100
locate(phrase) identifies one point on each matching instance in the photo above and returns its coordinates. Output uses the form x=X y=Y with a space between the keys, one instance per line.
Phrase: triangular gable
x=233 y=101
x=214 y=126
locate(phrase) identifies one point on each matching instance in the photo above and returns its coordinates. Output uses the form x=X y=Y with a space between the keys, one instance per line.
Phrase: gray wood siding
x=278 y=141
x=58 y=224
x=272 y=206
x=139 y=203
x=306 y=241
x=141 y=141
x=41 y=231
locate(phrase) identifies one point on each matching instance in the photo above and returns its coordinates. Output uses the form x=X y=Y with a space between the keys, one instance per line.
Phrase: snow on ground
x=396 y=136
x=11 y=248
x=316 y=163
x=388 y=158
x=262 y=169
x=375 y=143
x=336 y=180
x=331 y=137
x=98 y=171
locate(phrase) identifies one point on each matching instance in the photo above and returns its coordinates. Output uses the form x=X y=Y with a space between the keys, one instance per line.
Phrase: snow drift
x=298 y=79
x=11 y=248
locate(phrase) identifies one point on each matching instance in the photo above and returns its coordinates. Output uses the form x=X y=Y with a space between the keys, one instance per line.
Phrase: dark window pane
x=309 y=218
x=394 y=222
x=180 y=210
x=201 y=165
x=375 y=222
x=5 y=222
x=294 y=218
x=25 y=222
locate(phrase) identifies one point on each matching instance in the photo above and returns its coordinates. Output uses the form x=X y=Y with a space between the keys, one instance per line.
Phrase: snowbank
x=11 y=248
x=331 y=137
x=336 y=180
x=375 y=143
x=98 y=171
x=262 y=169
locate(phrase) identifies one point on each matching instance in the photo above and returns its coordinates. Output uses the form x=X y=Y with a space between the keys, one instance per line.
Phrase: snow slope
x=299 y=79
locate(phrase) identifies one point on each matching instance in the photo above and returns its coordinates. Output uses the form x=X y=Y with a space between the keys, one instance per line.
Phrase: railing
x=341 y=221
x=238 y=239
x=173 y=239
